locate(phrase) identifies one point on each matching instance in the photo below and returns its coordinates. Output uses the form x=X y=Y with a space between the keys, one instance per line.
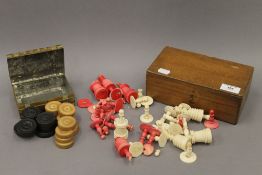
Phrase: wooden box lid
x=203 y=70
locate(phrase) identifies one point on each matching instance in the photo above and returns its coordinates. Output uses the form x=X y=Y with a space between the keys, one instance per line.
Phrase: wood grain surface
x=196 y=79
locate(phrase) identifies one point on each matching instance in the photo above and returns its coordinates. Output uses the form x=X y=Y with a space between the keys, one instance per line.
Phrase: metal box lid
x=38 y=76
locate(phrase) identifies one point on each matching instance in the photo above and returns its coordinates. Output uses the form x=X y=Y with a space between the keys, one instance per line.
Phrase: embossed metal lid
x=36 y=63
x=38 y=76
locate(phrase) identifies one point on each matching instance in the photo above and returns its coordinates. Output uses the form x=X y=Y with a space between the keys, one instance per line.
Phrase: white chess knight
x=121 y=124
x=146 y=117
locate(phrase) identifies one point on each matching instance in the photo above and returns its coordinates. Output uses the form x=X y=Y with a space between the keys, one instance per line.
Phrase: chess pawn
x=146 y=117
x=184 y=143
x=211 y=122
x=121 y=125
x=203 y=136
x=140 y=93
x=188 y=156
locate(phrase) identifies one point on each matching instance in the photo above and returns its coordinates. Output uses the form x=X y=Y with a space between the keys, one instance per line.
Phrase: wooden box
x=38 y=76
x=204 y=82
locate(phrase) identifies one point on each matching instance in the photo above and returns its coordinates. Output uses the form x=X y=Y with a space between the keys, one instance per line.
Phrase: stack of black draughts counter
x=35 y=122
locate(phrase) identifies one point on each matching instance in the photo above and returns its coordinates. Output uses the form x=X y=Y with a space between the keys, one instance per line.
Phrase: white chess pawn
x=188 y=156
x=121 y=124
x=140 y=93
x=146 y=117
x=184 y=143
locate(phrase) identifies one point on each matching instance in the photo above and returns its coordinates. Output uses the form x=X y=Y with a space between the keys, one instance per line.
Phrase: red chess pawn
x=122 y=147
x=96 y=125
x=211 y=123
x=112 y=117
x=109 y=125
x=153 y=133
x=94 y=117
x=148 y=147
x=144 y=130
x=105 y=130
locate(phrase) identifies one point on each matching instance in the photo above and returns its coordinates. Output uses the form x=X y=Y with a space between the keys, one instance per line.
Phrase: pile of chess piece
x=59 y=120
x=172 y=126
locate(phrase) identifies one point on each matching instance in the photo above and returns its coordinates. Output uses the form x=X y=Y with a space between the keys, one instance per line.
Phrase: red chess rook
x=127 y=91
x=99 y=91
x=115 y=93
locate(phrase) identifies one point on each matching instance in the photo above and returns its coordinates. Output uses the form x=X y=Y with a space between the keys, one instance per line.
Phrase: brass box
x=204 y=82
x=38 y=76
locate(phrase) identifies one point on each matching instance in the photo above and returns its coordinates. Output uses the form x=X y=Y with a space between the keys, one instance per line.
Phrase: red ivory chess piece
x=96 y=125
x=109 y=125
x=148 y=147
x=144 y=130
x=119 y=103
x=105 y=130
x=115 y=93
x=211 y=123
x=127 y=91
x=122 y=147
x=99 y=91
